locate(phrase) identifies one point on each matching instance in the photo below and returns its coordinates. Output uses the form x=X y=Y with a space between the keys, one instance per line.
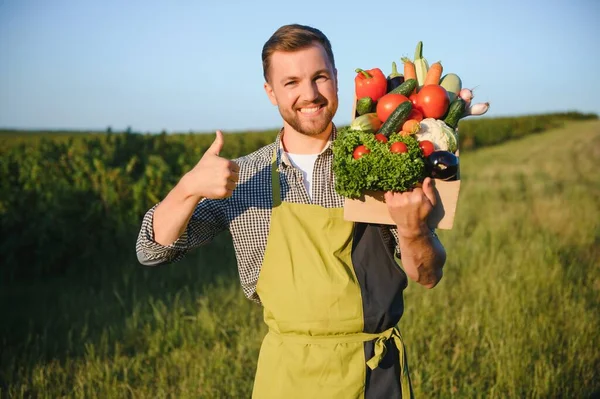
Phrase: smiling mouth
x=310 y=110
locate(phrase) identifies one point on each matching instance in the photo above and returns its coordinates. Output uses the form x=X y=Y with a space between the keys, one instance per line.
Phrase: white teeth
x=309 y=110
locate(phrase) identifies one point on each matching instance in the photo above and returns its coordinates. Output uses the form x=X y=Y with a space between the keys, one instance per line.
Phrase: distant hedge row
x=73 y=200
x=479 y=132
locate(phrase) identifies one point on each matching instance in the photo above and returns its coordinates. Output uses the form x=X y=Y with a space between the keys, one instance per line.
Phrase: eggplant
x=394 y=79
x=442 y=165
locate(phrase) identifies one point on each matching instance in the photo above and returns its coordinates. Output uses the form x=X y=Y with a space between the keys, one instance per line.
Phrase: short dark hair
x=293 y=37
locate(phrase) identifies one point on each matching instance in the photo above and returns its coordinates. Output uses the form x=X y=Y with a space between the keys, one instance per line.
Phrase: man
x=332 y=290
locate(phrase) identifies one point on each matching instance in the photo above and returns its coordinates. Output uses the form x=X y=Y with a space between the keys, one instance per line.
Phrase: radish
x=477 y=109
x=467 y=95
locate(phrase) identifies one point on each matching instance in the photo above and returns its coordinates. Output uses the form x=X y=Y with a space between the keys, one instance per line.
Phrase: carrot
x=434 y=74
x=409 y=69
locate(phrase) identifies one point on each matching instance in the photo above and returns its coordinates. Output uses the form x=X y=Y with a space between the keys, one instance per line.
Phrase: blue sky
x=194 y=65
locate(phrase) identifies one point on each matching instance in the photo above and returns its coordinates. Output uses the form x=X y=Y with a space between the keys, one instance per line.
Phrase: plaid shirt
x=247 y=213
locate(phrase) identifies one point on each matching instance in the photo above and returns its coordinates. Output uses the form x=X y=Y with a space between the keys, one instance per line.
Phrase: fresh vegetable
x=387 y=104
x=380 y=170
x=452 y=83
x=413 y=99
x=409 y=69
x=441 y=135
x=360 y=151
x=381 y=138
x=405 y=128
x=467 y=95
x=398 y=148
x=426 y=147
x=415 y=114
x=406 y=88
x=411 y=126
x=366 y=123
x=442 y=165
x=421 y=65
x=455 y=112
x=433 y=74
x=364 y=105
x=370 y=83
x=477 y=109
x=394 y=79
x=433 y=101
x=394 y=122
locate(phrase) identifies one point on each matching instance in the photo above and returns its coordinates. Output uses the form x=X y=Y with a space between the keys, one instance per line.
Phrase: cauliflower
x=441 y=135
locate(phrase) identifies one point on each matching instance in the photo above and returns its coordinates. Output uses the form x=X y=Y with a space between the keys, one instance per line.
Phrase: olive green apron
x=313 y=308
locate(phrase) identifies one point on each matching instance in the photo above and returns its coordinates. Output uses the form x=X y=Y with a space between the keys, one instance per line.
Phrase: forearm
x=423 y=257
x=173 y=214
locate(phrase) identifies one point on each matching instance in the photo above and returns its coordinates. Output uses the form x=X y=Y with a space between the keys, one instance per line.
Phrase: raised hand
x=213 y=176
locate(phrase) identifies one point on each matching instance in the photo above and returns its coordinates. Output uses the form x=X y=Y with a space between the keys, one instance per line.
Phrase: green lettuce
x=380 y=170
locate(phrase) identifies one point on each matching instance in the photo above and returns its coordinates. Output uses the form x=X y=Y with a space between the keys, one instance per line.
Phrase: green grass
x=516 y=315
x=517 y=312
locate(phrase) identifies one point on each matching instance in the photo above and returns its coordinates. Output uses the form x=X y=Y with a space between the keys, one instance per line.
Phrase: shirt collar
x=284 y=160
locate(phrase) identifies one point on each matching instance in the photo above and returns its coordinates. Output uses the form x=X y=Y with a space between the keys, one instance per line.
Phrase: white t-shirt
x=306 y=163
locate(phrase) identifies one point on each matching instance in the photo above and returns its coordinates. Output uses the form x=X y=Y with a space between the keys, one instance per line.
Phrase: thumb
x=429 y=190
x=217 y=145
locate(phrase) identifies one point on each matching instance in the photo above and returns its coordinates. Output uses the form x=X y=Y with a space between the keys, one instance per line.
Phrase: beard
x=310 y=126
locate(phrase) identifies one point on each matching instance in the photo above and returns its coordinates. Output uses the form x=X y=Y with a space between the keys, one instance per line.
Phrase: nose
x=310 y=91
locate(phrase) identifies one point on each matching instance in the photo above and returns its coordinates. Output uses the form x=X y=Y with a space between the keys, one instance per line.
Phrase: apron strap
x=275 y=181
x=381 y=349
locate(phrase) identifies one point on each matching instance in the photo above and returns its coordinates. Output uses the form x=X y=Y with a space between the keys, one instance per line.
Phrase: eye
x=321 y=78
x=290 y=83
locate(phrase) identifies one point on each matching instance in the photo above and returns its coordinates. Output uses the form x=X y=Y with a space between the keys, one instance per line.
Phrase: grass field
x=517 y=314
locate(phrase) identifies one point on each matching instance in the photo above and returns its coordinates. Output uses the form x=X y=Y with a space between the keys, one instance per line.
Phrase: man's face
x=303 y=85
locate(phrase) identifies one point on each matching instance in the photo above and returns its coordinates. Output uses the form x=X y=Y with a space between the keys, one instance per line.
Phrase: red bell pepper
x=370 y=83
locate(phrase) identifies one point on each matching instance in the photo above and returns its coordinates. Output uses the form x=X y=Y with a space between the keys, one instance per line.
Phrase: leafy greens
x=380 y=170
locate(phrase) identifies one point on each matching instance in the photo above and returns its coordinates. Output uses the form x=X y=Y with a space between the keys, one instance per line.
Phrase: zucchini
x=455 y=112
x=394 y=122
x=452 y=83
x=364 y=105
x=366 y=123
x=406 y=88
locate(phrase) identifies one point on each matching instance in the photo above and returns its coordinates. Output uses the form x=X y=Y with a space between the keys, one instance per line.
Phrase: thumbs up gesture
x=213 y=177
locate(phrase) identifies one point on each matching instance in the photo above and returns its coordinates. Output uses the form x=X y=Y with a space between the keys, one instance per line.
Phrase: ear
x=270 y=93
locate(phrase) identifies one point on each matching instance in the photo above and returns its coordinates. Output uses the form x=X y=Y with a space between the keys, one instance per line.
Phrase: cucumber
x=455 y=112
x=394 y=122
x=406 y=88
x=364 y=105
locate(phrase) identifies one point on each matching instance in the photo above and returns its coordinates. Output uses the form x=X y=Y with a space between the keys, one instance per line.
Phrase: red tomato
x=381 y=137
x=433 y=101
x=360 y=151
x=387 y=104
x=398 y=148
x=415 y=114
x=426 y=147
x=413 y=99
